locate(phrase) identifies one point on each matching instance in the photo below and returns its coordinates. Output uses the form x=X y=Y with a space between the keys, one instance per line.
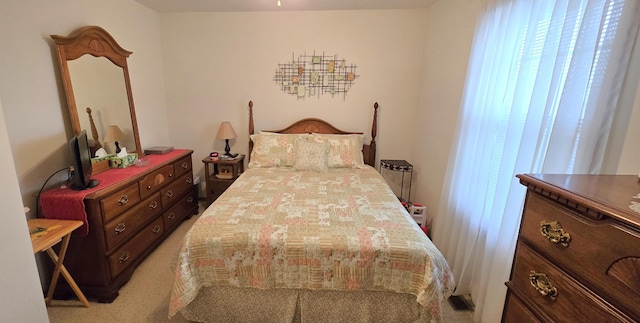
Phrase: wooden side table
x=46 y=233
x=219 y=177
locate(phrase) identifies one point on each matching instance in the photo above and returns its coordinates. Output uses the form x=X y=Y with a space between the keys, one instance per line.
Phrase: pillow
x=345 y=150
x=273 y=150
x=311 y=155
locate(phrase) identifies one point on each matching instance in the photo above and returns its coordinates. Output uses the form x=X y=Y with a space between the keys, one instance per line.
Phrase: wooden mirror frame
x=97 y=42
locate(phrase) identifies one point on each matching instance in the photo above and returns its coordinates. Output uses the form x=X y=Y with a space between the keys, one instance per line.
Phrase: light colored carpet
x=145 y=298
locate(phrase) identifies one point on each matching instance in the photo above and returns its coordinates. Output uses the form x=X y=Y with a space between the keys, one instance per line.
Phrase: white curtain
x=541 y=91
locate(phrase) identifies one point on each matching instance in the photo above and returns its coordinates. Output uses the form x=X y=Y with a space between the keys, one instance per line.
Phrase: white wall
x=216 y=62
x=21 y=299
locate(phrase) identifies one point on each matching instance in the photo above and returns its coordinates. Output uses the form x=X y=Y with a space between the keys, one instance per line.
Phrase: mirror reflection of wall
x=99 y=84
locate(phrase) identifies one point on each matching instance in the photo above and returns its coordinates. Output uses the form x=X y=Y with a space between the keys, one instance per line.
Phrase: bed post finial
x=251 y=130
x=374 y=131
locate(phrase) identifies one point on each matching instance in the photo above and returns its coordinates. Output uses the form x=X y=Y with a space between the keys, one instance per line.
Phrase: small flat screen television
x=81 y=176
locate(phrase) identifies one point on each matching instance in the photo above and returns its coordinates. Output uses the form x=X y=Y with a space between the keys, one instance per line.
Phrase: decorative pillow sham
x=345 y=151
x=311 y=155
x=273 y=149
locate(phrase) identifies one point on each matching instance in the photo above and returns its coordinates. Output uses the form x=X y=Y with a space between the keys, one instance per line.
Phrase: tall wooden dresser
x=578 y=253
x=127 y=220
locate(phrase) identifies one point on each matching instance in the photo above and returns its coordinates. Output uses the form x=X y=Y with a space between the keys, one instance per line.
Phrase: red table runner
x=67 y=204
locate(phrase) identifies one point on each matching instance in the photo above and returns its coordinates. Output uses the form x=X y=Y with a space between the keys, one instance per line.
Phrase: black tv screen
x=81 y=176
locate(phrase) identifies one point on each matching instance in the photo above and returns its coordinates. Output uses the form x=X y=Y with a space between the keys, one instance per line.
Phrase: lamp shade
x=114 y=134
x=226 y=131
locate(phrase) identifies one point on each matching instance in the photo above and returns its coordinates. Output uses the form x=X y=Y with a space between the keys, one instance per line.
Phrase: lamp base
x=227 y=150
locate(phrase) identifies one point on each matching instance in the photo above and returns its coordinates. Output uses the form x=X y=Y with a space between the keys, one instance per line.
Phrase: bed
x=310 y=232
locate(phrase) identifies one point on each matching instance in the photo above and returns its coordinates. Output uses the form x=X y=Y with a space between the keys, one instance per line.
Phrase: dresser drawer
x=176 y=189
x=155 y=180
x=131 y=221
x=182 y=166
x=572 y=303
x=604 y=254
x=181 y=209
x=516 y=312
x=132 y=250
x=114 y=204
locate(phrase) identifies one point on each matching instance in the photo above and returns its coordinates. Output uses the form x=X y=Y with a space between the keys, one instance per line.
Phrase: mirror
x=96 y=82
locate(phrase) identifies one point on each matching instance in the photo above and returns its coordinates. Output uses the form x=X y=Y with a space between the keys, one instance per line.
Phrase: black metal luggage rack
x=399 y=166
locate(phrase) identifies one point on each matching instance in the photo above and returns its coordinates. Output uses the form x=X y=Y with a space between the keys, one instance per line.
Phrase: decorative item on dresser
x=578 y=252
x=129 y=214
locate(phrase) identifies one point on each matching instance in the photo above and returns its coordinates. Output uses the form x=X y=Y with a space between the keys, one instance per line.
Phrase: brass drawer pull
x=170 y=175
x=543 y=285
x=169 y=193
x=554 y=232
x=148 y=187
x=190 y=199
x=123 y=200
x=189 y=180
x=171 y=216
x=120 y=228
x=153 y=205
x=185 y=165
x=156 y=229
x=124 y=257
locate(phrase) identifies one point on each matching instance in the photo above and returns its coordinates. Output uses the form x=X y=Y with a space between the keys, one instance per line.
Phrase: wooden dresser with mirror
x=578 y=252
x=134 y=209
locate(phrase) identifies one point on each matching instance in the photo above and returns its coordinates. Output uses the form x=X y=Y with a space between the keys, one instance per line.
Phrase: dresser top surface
x=617 y=196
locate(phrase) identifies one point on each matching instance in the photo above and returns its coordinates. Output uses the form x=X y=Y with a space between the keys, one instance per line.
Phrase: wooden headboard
x=314 y=125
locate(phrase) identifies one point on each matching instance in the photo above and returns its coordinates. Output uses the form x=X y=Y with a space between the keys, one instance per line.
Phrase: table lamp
x=226 y=132
x=114 y=134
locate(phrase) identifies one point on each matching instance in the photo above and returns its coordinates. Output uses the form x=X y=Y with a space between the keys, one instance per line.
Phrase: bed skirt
x=229 y=304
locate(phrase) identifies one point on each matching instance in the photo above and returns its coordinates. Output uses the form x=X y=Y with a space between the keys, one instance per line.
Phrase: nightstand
x=221 y=175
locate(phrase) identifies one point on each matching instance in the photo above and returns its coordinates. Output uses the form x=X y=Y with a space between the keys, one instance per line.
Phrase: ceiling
x=287 y=5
